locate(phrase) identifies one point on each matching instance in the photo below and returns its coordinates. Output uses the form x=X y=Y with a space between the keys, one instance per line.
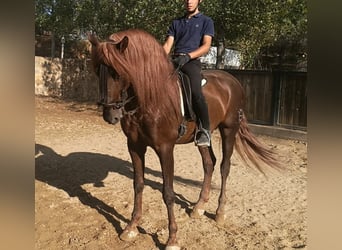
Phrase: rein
x=124 y=99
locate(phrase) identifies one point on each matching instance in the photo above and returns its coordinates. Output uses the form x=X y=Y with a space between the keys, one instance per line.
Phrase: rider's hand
x=181 y=60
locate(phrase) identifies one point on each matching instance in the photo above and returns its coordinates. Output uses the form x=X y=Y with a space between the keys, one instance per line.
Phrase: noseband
x=124 y=99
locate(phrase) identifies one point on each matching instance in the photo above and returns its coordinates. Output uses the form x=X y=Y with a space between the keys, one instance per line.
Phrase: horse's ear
x=122 y=45
x=93 y=39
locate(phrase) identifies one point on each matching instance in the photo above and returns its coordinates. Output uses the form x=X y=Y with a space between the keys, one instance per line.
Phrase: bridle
x=124 y=98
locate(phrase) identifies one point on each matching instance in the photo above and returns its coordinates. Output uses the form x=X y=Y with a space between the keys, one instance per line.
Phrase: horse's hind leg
x=208 y=161
x=228 y=141
x=137 y=153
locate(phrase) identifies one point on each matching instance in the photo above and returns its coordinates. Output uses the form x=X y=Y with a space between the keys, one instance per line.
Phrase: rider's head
x=191 y=6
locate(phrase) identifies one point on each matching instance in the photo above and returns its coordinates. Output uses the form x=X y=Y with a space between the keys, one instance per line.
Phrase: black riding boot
x=202 y=137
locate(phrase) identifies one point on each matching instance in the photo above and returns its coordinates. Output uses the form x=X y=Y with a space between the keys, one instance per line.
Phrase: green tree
x=54 y=16
x=257 y=28
x=254 y=27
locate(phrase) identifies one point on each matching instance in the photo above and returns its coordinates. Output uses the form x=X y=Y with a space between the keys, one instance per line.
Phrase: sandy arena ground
x=84 y=190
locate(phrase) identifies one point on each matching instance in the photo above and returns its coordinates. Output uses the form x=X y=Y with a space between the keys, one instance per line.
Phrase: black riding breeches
x=193 y=70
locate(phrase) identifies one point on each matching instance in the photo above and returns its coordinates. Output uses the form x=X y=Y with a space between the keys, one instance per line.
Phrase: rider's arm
x=168 y=44
x=203 y=49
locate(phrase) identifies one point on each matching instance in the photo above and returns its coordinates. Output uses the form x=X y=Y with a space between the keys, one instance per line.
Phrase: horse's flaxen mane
x=145 y=65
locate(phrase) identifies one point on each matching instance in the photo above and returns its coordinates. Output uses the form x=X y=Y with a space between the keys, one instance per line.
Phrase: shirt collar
x=197 y=15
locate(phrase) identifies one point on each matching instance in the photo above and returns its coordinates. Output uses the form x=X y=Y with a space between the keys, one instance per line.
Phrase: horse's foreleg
x=137 y=153
x=228 y=140
x=208 y=161
x=165 y=154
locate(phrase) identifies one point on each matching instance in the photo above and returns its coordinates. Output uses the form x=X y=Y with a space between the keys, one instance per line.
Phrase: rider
x=192 y=35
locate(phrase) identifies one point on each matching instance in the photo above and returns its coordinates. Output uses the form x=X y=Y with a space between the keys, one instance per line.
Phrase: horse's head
x=114 y=90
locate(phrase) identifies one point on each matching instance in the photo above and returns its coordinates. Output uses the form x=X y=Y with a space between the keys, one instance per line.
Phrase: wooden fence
x=277 y=98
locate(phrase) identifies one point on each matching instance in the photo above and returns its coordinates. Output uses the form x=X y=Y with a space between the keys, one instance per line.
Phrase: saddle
x=186 y=100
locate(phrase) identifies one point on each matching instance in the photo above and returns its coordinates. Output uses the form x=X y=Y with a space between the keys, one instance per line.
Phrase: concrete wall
x=67 y=79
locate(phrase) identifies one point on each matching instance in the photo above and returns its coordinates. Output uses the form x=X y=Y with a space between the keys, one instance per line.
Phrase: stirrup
x=203 y=138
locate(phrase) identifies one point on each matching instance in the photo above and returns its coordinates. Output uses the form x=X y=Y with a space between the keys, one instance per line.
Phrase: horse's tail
x=252 y=151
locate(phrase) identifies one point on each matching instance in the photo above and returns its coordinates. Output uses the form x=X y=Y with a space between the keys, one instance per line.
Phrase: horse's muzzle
x=112 y=115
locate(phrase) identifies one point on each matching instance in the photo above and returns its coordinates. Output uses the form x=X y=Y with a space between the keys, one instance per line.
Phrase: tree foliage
x=257 y=28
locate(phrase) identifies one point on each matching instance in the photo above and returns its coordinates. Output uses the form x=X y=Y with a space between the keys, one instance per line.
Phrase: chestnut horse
x=139 y=87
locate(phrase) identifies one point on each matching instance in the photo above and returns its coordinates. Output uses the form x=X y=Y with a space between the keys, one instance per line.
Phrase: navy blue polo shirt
x=188 y=33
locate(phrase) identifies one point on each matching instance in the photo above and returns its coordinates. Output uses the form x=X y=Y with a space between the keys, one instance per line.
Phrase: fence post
x=276 y=75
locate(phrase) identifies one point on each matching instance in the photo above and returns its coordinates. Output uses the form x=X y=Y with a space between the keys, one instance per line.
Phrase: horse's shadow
x=70 y=172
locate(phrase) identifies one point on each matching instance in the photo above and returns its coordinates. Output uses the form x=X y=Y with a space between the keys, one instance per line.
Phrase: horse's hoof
x=128 y=235
x=172 y=248
x=197 y=213
x=220 y=219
